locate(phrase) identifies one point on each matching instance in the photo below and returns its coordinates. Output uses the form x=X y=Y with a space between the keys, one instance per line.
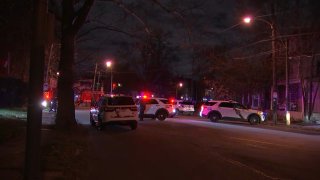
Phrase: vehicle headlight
x=44 y=103
x=262 y=115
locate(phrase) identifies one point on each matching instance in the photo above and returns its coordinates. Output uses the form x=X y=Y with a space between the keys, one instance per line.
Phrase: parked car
x=159 y=108
x=216 y=110
x=184 y=107
x=120 y=110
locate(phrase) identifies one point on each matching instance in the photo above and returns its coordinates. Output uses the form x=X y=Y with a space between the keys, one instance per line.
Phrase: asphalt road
x=190 y=148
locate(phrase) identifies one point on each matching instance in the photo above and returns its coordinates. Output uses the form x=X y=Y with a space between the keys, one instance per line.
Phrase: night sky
x=165 y=41
x=207 y=21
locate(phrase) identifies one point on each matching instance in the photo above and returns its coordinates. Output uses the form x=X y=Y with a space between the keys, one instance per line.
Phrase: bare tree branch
x=109 y=28
x=81 y=15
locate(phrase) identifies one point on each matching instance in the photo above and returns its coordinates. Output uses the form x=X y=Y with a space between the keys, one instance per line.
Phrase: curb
x=313 y=129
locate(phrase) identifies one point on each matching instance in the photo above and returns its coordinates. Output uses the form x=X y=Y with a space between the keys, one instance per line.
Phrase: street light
x=178 y=86
x=274 y=95
x=109 y=65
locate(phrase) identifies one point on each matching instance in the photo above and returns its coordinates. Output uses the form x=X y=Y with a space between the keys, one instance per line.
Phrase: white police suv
x=159 y=108
x=120 y=110
x=216 y=110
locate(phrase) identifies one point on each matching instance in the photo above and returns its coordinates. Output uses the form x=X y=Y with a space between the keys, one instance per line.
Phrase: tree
x=71 y=22
x=33 y=141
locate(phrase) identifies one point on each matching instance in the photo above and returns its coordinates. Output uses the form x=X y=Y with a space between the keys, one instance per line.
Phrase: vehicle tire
x=254 y=119
x=162 y=115
x=214 y=117
x=133 y=125
x=92 y=123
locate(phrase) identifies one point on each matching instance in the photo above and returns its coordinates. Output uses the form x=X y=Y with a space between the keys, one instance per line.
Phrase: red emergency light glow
x=47 y=95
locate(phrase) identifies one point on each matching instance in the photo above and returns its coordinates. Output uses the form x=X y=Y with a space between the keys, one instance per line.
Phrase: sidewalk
x=295 y=126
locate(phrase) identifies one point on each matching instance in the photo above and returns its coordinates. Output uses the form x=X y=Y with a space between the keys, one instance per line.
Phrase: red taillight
x=134 y=109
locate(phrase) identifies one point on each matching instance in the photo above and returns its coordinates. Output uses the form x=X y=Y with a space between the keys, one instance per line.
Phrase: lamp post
x=178 y=86
x=109 y=65
x=274 y=95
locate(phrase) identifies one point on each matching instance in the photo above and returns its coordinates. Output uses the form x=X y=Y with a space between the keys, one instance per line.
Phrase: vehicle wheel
x=254 y=119
x=133 y=125
x=92 y=123
x=162 y=115
x=214 y=117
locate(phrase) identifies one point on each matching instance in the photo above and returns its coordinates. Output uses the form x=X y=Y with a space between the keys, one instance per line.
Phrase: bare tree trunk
x=32 y=169
x=304 y=89
x=70 y=25
x=65 y=116
x=310 y=91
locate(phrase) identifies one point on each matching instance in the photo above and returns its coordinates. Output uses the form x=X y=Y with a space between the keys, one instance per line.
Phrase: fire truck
x=87 y=96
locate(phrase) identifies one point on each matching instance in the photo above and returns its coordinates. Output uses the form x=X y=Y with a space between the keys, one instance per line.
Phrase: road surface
x=190 y=148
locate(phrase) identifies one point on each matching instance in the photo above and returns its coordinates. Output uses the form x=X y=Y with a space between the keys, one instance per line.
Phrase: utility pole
x=98 y=82
x=111 y=79
x=94 y=77
x=49 y=61
x=274 y=93
x=287 y=84
x=32 y=169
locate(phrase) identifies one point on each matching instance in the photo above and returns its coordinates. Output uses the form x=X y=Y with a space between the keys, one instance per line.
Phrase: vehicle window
x=186 y=103
x=210 y=103
x=145 y=101
x=165 y=101
x=94 y=103
x=153 y=101
x=239 y=106
x=120 y=101
x=101 y=102
x=104 y=102
x=226 y=105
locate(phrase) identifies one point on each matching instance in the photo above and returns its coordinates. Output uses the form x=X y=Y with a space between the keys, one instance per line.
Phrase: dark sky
x=207 y=20
x=211 y=23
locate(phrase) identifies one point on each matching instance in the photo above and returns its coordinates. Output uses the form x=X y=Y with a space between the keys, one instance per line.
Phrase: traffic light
x=115 y=85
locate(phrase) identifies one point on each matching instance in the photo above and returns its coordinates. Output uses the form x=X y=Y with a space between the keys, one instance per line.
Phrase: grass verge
x=11 y=129
x=65 y=154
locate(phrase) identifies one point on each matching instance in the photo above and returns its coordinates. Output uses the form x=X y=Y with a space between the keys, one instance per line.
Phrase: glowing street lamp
x=247 y=20
x=274 y=95
x=109 y=65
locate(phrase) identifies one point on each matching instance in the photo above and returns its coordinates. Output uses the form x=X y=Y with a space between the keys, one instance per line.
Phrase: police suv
x=216 y=110
x=159 y=108
x=120 y=110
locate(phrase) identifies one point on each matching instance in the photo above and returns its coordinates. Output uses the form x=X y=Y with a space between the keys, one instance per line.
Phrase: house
x=303 y=89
